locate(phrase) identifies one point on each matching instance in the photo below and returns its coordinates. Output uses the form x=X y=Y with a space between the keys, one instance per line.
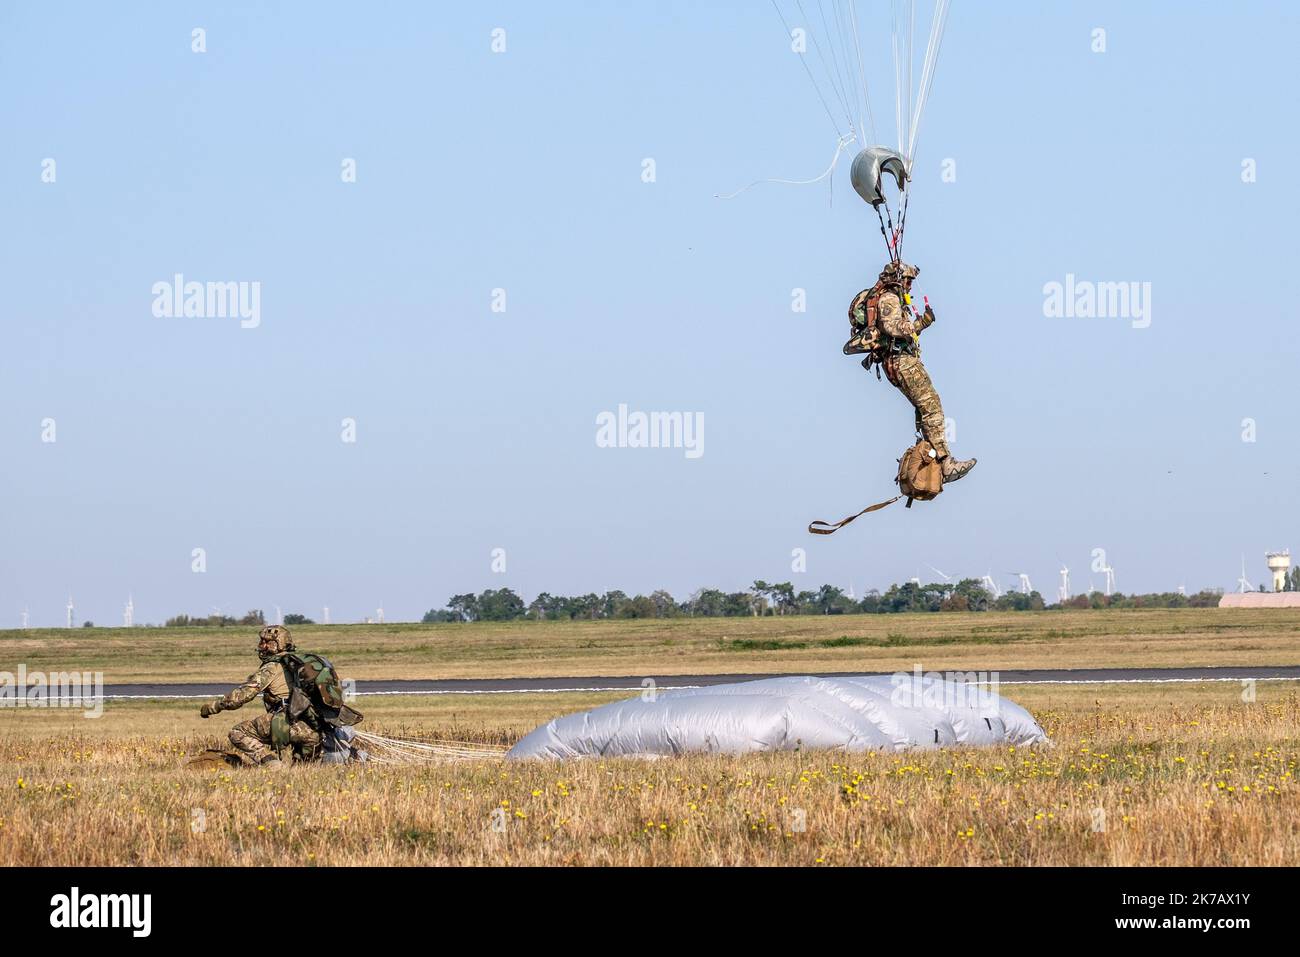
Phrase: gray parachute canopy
x=870 y=165
x=882 y=712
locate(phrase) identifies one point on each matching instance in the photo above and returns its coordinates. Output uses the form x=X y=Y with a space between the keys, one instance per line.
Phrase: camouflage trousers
x=908 y=373
x=252 y=739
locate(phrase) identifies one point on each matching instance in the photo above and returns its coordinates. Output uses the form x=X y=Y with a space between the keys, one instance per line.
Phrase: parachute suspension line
x=811 y=79
x=937 y=26
x=845 y=140
x=884 y=234
x=383 y=750
x=831 y=77
x=902 y=220
x=843 y=88
x=862 y=75
x=898 y=79
x=891 y=238
x=843 y=32
x=911 y=59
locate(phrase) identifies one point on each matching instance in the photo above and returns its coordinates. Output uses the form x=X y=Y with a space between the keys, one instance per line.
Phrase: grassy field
x=1139 y=774
x=1068 y=639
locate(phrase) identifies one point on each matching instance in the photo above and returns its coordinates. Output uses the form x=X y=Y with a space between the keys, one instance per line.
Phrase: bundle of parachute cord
x=385 y=750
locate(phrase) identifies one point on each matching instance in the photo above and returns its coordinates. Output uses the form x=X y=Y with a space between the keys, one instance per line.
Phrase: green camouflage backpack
x=317 y=693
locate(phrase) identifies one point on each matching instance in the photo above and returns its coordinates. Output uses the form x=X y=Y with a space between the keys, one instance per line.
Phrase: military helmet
x=896 y=272
x=273 y=640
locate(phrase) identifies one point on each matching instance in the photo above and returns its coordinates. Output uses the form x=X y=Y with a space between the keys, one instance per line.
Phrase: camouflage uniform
x=901 y=359
x=907 y=372
x=252 y=739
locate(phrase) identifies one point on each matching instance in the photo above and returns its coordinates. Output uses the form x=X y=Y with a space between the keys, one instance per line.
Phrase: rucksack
x=864 y=317
x=317 y=691
x=920 y=477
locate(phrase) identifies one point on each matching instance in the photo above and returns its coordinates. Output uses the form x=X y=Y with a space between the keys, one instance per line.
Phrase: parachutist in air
x=887 y=328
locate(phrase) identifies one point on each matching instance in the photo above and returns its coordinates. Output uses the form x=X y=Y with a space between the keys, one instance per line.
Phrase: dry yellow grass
x=808 y=644
x=1141 y=774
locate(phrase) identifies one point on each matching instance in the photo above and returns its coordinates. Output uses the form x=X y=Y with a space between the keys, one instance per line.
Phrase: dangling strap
x=827 y=528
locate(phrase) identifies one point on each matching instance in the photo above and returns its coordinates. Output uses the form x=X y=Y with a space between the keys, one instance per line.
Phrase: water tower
x=1279 y=563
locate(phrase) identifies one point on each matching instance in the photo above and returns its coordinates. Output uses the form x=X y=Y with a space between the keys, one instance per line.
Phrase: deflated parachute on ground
x=888 y=713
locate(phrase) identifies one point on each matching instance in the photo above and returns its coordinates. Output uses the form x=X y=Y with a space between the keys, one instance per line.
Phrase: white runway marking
x=637 y=689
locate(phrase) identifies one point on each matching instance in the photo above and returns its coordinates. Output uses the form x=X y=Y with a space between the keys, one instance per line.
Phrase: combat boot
x=953 y=469
x=272 y=762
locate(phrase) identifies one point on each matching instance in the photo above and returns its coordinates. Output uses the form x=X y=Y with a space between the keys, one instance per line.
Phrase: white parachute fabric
x=879 y=712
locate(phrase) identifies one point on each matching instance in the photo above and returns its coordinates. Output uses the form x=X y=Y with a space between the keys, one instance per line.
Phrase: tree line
x=218 y=620
x=781 y=598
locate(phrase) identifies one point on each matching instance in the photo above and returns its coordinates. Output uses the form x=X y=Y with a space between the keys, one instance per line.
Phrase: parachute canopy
x=868 y=168
x=880 y=712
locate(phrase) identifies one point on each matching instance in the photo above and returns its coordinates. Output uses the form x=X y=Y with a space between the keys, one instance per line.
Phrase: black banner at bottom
x=135 y=906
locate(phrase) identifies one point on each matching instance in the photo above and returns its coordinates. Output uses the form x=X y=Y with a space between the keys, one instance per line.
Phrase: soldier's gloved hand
x=208 y=710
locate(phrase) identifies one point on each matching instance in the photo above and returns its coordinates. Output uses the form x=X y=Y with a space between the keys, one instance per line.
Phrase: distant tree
x=665 y=604
x=544 y=606
x=588 y=606
x=293 y=618
x=830 y=600
x=87 y=624
x=783 y=597
x=253 y=617
x=434 y=615
x=977 y=596
x=611 y=603
x=500 y=604
x=709 y=603
x=870 y=603
x=465 y=607
x=737 y=604
x=638 y=607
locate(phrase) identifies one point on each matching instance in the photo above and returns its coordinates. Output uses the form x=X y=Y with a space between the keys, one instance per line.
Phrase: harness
x=884 y=354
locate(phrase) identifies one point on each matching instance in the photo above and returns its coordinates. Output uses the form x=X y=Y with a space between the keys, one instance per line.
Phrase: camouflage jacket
x=269 y=681
x=896 y=322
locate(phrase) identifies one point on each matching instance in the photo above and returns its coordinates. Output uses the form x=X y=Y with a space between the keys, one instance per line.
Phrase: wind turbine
x=25 y=618
x=325 y=619
x=1110 y=579
x=128 y=613
x=946 y=577
x=1063 y=592
x=991 y=586
x=71 y=610
x=1025 y=586
x=1243 y=584
x=379 y=613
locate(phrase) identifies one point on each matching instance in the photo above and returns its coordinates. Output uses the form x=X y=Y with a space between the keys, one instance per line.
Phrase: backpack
x=864 y=316
x=919 y=474
x=317 y=692
x=920 y=477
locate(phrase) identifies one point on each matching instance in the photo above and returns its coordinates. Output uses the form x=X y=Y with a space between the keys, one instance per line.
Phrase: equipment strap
x=827 y=528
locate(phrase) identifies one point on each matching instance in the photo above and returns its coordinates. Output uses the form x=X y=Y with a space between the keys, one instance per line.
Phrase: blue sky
x=523 y=171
